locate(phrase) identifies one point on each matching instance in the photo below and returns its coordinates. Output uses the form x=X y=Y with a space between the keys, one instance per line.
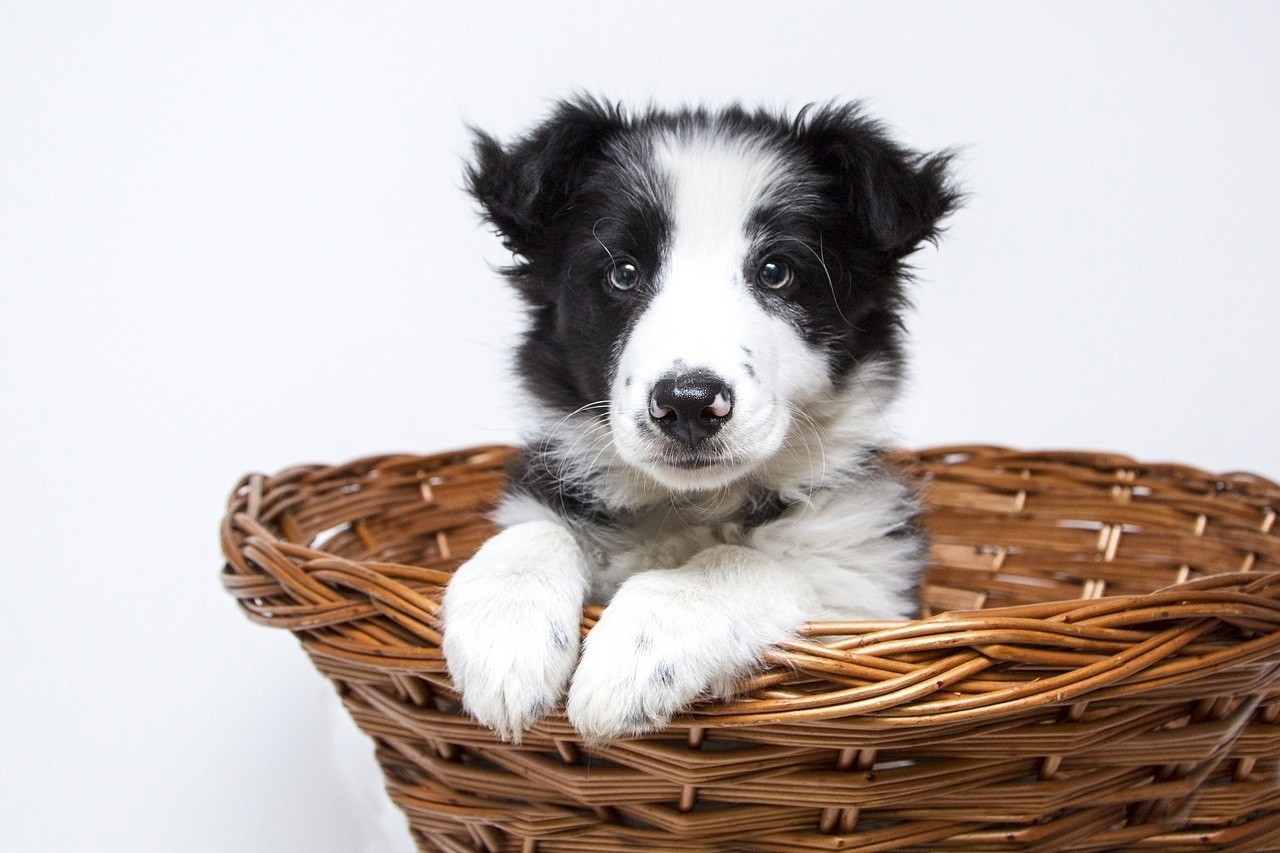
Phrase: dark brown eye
x=774 y=274
x=623 y=275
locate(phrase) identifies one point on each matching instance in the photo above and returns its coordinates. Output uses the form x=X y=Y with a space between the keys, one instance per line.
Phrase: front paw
x=653 y=652
x=511 y=620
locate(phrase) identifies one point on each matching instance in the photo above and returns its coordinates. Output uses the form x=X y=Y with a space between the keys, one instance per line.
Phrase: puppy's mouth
x=694 y=462
x=715 y=455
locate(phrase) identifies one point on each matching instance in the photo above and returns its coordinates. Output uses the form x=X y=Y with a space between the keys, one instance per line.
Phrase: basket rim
x=953 y=667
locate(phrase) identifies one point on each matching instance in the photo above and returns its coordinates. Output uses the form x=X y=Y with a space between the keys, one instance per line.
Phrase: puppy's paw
x=657 y=647
x=511 y=618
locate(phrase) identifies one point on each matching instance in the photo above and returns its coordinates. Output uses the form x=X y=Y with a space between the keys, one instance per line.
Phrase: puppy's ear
x=525 y=186
x=897 y=197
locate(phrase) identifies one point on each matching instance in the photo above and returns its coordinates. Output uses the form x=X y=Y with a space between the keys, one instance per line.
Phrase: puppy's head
x=702 y=283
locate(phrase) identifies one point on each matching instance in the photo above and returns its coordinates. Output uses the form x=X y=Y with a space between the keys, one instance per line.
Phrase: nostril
x=720 y=406
x=657 y=411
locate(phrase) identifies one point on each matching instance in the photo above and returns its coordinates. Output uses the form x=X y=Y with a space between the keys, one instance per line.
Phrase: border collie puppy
x=715 y=331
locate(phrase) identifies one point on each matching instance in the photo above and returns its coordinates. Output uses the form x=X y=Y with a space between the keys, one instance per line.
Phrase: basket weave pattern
x=1098 y=669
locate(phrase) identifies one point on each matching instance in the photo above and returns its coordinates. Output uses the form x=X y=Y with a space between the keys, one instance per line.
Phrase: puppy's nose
x=690 y=407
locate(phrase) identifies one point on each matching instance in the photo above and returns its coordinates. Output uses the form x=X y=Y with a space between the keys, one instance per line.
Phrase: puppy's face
x=714 y=362
x=699 y=281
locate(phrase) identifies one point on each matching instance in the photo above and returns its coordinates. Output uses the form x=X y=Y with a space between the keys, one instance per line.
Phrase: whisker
x=871 y=397
x=831 y=284
x=596 y=237
x=808 y=427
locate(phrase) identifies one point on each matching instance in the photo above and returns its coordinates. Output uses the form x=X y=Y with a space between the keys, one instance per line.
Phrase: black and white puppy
x=715 y=331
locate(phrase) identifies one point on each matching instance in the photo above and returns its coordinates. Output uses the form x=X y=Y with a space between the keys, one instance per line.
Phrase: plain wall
x=232 y=238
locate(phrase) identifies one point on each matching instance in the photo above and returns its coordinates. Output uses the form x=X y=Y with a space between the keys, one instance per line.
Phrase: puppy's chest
x=662 y=539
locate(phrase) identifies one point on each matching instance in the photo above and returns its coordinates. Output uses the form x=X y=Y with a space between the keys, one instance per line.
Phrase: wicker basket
x=1103 y=671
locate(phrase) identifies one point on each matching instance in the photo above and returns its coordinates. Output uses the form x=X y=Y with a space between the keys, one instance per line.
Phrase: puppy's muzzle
x=690 y=407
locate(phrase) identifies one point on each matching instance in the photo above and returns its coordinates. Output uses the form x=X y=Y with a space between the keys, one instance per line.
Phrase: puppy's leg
x=511 y=617
x=672 y=635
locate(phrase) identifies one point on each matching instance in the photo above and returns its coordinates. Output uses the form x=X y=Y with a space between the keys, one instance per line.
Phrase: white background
x=232 y=238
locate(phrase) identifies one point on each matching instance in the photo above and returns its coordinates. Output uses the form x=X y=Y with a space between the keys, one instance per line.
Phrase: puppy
x=715 y=304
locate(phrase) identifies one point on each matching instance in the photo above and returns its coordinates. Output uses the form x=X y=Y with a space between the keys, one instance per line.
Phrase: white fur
x=695 y=598
x=511 y=635
x=692 y=604
x=672 y=635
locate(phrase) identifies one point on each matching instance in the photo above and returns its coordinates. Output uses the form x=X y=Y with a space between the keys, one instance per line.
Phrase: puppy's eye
x=774 y=274
x=623 y=275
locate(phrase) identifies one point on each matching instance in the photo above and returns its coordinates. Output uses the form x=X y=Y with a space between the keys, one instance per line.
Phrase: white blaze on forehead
x=715 y=183
x=704 y=311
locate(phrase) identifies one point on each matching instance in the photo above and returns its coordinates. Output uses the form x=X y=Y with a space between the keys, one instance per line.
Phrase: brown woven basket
x=1103 y=671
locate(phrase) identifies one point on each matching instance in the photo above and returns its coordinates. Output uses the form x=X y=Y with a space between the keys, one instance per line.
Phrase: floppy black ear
x=525 y=186
x=898 y=197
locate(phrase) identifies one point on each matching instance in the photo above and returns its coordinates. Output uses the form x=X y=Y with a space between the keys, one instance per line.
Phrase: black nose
x=690 y=407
